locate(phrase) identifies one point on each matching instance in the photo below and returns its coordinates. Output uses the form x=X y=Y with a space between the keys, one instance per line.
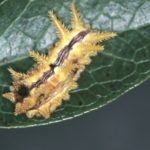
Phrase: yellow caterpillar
x=41 y=90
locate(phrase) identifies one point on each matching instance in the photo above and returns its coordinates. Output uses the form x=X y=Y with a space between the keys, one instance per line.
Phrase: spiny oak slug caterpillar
x=42 y=89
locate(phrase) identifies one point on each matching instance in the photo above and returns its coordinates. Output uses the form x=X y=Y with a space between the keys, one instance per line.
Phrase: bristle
x=18 y=109
x=37 y=57
x=81 y=69
x=75 y=19
x=44 y=110
x=61 y=30
x=55 y=103
x=91 y=47
x=66 y=97
x=10 y=96
x=25 y=105
x=16 y=75
x=95 y=37
x=31 y=113
x=73 y=85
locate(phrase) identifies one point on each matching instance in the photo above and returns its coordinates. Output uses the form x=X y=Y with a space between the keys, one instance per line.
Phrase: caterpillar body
x=42 y=89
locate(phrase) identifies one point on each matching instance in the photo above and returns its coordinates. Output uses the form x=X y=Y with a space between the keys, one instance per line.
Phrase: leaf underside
x=125 y=63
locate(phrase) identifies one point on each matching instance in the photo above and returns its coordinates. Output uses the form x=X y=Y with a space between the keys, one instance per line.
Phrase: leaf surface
x=125 y=63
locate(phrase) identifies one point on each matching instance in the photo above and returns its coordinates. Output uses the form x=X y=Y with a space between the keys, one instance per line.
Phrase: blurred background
x=121 y=125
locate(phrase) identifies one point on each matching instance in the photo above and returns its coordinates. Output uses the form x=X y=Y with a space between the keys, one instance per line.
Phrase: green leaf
x=125 y=63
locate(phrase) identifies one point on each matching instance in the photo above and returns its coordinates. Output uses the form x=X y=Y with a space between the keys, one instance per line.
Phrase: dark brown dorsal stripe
x=62 y=55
